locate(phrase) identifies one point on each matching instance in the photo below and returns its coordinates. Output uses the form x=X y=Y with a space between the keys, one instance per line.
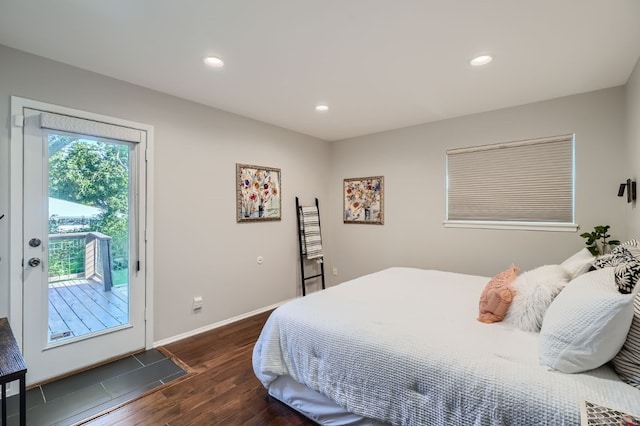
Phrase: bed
x=403 y=346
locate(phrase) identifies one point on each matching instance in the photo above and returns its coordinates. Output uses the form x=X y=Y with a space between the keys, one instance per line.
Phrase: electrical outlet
x=197 y=303
x=335 y=270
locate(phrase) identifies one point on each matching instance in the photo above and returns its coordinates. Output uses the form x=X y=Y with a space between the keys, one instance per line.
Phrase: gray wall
x=632 y=111
x=412 y=161
x=200 y=250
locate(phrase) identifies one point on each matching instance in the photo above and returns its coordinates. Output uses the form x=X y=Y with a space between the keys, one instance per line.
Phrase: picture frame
x=363 y=200
x=258 y=193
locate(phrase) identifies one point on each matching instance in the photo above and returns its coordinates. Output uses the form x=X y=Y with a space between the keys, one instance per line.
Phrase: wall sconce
x=630 y=187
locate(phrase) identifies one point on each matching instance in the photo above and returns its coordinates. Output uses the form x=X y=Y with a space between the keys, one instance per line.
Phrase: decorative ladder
x=302 y=249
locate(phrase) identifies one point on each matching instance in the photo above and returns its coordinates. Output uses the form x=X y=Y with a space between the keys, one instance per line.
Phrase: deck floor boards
x=118 y=297
x=56 y=323
x=68 y=318
x=94 y=311
x=82 y=306
x=78 y=308
x=117 y=311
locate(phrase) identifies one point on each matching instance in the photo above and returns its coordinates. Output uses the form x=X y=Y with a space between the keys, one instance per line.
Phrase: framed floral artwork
x=258 y=193
x=363 y=200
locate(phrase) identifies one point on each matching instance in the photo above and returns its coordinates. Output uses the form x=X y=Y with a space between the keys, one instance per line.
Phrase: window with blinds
x=522 y=183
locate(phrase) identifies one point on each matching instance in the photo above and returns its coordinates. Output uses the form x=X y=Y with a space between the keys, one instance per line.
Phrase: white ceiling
x=378 y=64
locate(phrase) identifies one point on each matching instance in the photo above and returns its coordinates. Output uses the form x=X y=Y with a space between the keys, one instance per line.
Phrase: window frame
x=497 y=223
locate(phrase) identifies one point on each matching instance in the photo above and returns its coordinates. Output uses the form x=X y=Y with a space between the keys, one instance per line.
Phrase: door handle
x=35 y=242
x=33 y=262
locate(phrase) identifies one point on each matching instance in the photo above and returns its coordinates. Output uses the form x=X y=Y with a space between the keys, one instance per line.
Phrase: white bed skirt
x=315 y=405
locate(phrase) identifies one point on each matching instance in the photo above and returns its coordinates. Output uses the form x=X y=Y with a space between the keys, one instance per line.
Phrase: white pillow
x=534 y=292
x=586 y=325
x=579 y=263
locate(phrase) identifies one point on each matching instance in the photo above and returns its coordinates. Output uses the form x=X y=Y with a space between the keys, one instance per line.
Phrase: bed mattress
x=402 y=346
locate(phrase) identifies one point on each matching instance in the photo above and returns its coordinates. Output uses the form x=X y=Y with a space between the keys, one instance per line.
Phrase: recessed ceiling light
x=213 y=61
x=481 y=60
x=322 y=108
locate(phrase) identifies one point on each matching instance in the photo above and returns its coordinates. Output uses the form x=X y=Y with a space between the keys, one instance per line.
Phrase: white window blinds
x=83 y=126
x=523 y=181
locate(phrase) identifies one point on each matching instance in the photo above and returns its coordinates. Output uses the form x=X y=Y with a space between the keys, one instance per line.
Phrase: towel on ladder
x=312 y=243
x=303 y=244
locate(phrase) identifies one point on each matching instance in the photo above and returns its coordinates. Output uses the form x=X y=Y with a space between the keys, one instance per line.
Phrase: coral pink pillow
x=497 y=296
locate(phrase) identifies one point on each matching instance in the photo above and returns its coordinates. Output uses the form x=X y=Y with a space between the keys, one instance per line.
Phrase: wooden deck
x=79 y=307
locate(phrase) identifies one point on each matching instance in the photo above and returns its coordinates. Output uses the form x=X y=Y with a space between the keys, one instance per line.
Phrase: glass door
x=83 y=293
x=88 y=236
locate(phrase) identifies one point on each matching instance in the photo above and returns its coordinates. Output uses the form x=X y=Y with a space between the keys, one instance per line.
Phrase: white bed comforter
x=403 y=346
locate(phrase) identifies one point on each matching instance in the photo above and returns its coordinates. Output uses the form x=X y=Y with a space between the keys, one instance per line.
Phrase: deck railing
x=68 y=259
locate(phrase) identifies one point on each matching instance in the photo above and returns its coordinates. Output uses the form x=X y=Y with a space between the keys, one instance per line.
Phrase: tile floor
x=78 y=397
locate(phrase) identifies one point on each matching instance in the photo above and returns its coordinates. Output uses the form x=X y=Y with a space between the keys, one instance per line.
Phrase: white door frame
x=15 y=216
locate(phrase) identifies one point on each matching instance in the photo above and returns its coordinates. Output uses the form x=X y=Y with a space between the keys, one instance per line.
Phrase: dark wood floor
x=220 y=388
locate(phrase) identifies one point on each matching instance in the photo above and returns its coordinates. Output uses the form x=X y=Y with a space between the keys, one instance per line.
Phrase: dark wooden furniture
x=12 y=368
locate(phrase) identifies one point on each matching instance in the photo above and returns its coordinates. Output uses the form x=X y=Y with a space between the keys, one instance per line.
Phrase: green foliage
x=597 y=240
x=96 y=174
x=91 y=173
x=69 y=258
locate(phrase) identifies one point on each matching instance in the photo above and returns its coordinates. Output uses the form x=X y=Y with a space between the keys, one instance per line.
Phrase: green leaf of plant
x=599 y=233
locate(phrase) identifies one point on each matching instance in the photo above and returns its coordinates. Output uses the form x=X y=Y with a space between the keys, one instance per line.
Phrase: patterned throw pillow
x=627 y=361
x=497 y=296
x=618 y=255
x=625 y=260
x=630 y=243
x=627 y=275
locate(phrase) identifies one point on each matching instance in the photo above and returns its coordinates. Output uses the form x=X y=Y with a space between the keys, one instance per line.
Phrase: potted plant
x=597 y=240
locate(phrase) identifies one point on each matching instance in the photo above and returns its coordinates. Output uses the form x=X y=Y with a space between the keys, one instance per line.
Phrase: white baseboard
x=216 y=325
